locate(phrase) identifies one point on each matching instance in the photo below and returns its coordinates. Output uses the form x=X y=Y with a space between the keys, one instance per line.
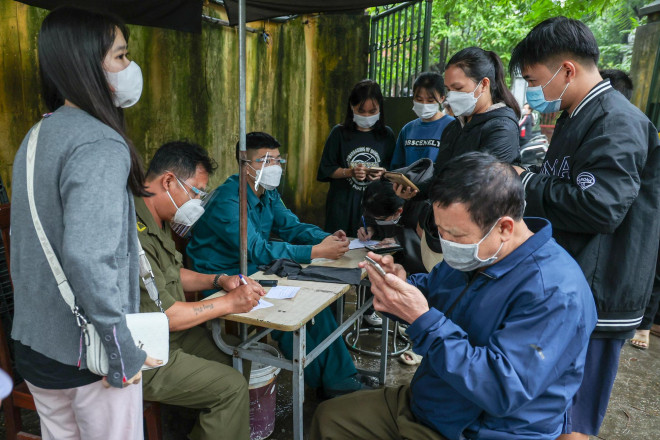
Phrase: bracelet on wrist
x=216 y=281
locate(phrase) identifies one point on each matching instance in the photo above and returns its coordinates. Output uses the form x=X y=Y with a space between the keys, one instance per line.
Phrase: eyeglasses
x=271 y=161
x=199 y=194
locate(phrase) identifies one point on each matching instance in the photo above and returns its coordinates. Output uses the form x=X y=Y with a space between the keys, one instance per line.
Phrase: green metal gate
x=399 y=46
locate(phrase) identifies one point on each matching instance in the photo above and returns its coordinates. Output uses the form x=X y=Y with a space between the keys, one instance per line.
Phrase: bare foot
x=641 y=339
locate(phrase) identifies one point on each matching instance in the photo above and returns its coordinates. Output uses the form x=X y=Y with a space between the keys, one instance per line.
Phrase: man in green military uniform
x=198 y=375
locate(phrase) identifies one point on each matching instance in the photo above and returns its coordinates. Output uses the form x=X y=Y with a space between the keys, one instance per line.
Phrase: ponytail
x=498 y=89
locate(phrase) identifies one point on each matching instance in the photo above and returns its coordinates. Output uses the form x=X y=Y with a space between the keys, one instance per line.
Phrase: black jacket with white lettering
x=600 y=188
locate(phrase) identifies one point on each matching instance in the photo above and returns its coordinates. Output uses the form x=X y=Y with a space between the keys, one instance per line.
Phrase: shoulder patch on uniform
x=585 y=180
x=141 y=227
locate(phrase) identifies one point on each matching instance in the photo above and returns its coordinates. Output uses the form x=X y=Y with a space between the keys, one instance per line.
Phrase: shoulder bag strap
x=55 y=266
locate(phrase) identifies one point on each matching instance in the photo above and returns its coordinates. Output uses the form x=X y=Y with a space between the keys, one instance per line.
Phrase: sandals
x=409 y=357
x=640 y=340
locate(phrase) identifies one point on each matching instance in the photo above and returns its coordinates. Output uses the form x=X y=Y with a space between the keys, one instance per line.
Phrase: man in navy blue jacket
x=503 y=323
x=599 y=186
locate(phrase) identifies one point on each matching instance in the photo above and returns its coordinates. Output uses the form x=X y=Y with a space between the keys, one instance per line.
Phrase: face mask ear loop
x=182 y=187
x=260 y=172
x=553 y=77
x=170 y=196
x=475 y=89
x=565 y=88
x=484 y=237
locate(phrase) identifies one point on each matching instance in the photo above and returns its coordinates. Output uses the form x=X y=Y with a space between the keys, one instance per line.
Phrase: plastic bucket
x=263 y=394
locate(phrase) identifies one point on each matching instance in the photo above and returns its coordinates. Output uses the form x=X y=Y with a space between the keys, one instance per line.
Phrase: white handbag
x=150 y=331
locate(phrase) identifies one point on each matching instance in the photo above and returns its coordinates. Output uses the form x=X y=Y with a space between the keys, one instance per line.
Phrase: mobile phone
x=267 y=283
x=375 y=265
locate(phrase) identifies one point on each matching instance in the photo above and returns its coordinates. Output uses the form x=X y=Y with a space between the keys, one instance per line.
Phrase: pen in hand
x=243 y=282
x=364 y=223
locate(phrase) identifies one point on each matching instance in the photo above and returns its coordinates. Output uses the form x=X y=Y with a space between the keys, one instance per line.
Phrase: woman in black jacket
x=486 y=112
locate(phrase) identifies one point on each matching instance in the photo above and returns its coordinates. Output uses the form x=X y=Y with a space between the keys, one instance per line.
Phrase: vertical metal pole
x=381 y=45
x=382 y=374
x=406 y=57
x=390 y=52
x=298 y=378
x=242 y=179
x=417 y=34
x=397 y=73
x=372 y=49
x=427 y=34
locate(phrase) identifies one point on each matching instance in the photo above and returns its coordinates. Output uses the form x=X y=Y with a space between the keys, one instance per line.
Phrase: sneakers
x=373 y=320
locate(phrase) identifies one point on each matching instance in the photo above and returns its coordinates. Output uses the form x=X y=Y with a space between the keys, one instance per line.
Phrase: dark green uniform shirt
x=166 y=263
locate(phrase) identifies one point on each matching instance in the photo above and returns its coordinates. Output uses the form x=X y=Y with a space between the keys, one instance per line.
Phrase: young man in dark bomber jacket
x=600 y=188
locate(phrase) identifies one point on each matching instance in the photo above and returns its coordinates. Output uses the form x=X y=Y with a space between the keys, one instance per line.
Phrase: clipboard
x=399 y=178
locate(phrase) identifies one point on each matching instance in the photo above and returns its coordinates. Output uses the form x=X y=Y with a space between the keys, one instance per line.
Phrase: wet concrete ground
x=633 y=413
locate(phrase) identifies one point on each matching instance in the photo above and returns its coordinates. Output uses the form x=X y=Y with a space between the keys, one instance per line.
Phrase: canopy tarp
x=180 y=15
x=186 y=15
x=264 y=9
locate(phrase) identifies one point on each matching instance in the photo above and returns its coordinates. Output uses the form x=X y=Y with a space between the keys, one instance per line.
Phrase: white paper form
x=357 y=244
x=282 y=292
x=263 y=304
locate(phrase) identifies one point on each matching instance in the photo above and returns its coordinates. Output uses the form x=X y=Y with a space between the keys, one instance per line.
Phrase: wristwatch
x=216 y=280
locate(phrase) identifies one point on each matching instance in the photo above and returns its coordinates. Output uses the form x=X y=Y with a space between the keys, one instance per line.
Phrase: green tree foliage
x=498 y=25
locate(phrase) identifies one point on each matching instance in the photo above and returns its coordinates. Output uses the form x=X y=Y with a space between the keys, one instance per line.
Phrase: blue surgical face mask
x=536 y=97
x=465 y=257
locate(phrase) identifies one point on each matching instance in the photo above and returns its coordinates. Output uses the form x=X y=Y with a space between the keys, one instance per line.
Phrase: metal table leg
x=383 y=349
x=298 y=378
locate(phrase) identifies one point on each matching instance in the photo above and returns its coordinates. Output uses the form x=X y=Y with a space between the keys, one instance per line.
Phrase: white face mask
x=127 y=84
x=393 y=221
x=366 y=121
x=465 y=257
x=186 y=215
x=425 y=111
x=268 y=177
x=463 y=103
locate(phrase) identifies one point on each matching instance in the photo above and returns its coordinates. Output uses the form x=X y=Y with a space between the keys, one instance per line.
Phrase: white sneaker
x=373 y=319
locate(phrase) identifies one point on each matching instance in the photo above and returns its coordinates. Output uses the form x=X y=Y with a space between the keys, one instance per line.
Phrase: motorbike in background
x=533 y=152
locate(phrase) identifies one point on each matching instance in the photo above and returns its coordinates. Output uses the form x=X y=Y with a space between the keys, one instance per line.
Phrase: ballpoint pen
x=364 y=223
x=243 y=282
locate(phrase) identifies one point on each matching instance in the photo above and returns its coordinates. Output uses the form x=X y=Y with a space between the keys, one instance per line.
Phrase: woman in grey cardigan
x=86 y=171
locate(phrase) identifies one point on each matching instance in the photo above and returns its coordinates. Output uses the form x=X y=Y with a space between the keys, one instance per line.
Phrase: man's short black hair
x=619 y=80
x=379 y=199
x=258 y=139
x=553 y=38
x=181 y=158
x=489 y=188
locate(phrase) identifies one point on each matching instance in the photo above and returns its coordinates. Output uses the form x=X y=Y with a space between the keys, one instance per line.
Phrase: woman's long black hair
x=72 y=46
x=363 y=91
x=478 y=64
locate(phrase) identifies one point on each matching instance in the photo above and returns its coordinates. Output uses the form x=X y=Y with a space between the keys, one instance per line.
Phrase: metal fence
x=399 y=46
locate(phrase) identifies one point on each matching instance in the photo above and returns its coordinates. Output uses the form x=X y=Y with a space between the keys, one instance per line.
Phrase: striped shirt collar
x=600 y=88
